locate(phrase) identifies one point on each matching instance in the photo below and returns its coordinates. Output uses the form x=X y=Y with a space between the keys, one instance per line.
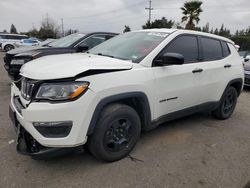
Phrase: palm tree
x=191 y=11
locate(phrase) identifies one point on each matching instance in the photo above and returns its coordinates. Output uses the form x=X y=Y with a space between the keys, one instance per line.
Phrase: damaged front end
x=27 y=145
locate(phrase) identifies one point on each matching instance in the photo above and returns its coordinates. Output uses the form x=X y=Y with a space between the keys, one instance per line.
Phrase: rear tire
x=227 y=104
x=8 y=47
x=116 y=134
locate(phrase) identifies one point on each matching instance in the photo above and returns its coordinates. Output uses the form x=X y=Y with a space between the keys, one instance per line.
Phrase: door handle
x=198 y=70
x=227 y=66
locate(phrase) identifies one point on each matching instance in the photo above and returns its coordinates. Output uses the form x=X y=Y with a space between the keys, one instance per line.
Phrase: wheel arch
x=137 y=100
x=237 y=84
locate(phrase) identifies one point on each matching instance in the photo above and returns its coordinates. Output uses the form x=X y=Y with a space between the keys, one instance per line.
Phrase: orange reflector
x=78 y=92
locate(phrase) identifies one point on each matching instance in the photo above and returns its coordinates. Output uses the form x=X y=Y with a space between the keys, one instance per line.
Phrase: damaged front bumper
x=27 y=145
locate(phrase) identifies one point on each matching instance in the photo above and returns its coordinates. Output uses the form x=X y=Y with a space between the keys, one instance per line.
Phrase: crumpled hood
x=70 y=65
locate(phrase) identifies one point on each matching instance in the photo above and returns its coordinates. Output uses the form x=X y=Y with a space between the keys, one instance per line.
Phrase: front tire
x=117 y=132
x=227 y=104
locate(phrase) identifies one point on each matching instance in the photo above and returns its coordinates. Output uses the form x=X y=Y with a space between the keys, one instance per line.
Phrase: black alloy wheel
x=116 y=133
x=227 y=104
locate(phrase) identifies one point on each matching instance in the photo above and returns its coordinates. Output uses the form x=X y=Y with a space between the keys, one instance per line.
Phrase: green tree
x=126 y=29
x=48 y=29
x=216 y=32
x=212 y=30
x=147 y=25
x=13 y=29
x=159 y=23
x=178 y=25
x=33 y=33
x=206 y=28
x=70 y=31
x=224 y=31
x=191 y=11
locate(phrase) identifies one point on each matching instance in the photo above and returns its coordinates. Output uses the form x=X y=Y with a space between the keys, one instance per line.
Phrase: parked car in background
x=245 y=55
x=7 y=40
x=136 y=81
x=247 y=73
x=77 y=42
x=27 y=42
x=47 y=42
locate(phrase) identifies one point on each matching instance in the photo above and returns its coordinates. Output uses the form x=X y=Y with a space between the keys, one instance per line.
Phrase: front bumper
x=27 y=145
x=79 y=112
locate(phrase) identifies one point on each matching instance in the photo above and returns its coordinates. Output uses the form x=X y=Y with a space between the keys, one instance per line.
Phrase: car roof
x=185 y=31
x=12 y=34
x=98 y=32
x=159 y=30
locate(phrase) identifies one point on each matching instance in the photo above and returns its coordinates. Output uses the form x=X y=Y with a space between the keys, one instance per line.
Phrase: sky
x=112 y=15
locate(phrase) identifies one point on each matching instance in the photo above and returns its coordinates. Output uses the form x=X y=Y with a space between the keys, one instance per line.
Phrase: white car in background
x=7 y=40
x=47 y=42
x=27 y=42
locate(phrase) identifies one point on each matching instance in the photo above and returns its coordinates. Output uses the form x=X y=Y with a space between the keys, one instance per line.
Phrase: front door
x=177 y=87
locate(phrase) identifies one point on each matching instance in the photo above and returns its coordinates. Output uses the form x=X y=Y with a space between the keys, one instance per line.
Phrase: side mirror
x=246 y=60
x=170 y=59
x=82 y=48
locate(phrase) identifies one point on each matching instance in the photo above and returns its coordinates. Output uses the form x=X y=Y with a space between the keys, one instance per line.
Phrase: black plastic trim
x=184 y=112
x=58 y=131
x=234 y=81
x=115 y=98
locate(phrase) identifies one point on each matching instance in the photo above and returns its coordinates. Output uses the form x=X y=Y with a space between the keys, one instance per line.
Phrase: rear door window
x=211 y=49
x=3 y=37
x=225 y=48
x=12 y=37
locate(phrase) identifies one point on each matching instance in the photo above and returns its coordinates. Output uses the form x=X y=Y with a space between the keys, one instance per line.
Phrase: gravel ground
x=196 y=151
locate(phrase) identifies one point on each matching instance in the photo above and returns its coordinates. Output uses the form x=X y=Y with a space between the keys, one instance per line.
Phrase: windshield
x=132 y=46
x=66 y=41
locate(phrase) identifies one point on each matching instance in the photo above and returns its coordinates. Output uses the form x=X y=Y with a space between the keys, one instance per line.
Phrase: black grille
x=27 y=87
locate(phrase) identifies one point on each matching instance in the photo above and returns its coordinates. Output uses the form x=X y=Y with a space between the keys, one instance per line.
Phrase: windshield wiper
x=105 y=55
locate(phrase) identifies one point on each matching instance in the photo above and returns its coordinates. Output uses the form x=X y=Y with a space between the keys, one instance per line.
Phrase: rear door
x=216 y=69
x=178 y=86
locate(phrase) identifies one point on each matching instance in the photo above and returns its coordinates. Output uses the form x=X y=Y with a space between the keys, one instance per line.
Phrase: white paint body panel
x=69 y=65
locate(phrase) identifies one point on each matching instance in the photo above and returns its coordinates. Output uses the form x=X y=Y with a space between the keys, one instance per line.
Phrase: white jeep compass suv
x=104 y=98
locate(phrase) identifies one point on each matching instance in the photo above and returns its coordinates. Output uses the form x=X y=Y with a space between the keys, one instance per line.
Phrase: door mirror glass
x=170 y=59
